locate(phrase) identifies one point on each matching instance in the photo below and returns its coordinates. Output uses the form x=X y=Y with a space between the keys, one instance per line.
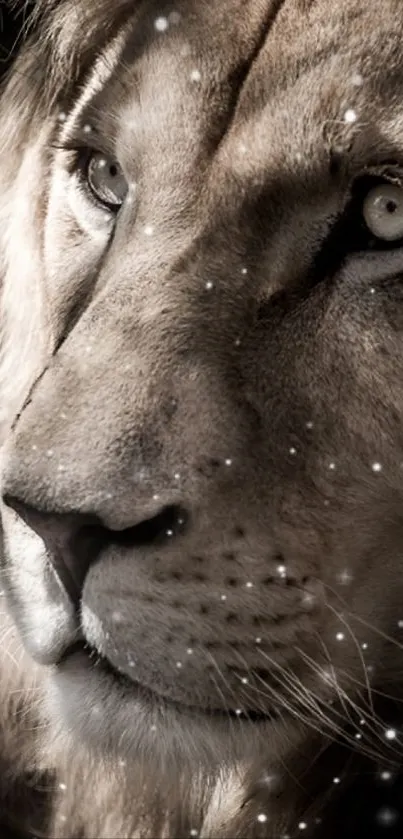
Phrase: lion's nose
x=74 y=540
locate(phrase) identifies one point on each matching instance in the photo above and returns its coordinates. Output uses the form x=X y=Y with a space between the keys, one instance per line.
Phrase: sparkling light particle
x=391 y=734
x=308 y=599
x=340 y=636
x=345 y=577
x=268 y=780
x=328 y=676
x=195 y=75
x=161 y=24
x=376 y=467
x=302 y=826
x=262 y=818
x=350 y=116
x=387 y=816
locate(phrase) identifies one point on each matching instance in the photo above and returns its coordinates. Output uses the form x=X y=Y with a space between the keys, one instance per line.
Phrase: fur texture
x=201 y=420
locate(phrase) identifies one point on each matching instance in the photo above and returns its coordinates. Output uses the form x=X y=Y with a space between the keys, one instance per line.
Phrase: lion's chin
x=110 y=713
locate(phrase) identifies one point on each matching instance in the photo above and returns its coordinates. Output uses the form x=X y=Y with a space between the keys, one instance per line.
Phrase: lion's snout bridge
x=100 y=478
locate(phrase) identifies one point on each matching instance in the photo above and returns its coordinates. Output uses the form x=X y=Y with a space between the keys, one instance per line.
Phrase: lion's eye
x=106 y=181
x=383 y=212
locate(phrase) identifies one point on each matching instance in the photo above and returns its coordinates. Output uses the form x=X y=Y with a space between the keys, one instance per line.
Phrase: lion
x=201 y=399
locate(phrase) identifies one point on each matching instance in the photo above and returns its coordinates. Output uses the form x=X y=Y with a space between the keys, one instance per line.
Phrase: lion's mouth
x=90 y=655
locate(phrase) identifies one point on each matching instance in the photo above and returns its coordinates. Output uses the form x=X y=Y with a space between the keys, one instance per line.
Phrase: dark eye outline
x=390 y=242
x=77 y=161
x=360 y=237
x=112 y=207
x=350 y=234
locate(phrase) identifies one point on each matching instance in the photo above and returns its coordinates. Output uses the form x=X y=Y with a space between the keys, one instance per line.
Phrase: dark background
x=11 y=25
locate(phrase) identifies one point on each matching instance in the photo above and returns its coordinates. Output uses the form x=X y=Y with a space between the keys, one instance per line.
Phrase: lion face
x=202 y=480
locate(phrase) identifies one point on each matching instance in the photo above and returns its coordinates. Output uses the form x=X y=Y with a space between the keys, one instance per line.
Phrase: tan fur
x=210 y=387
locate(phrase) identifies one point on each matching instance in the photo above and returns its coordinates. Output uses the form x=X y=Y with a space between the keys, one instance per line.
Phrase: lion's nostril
x=71 y=542
x=74 y=540
x=164 y=526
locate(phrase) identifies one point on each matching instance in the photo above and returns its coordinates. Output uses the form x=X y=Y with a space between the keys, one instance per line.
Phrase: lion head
x=201 y=379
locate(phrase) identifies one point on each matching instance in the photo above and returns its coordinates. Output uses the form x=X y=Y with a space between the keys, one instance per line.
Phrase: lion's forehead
x=264 y=87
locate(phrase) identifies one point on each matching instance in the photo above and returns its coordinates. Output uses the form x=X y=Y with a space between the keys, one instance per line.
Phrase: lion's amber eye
x=106 y=181
x=383 y=212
